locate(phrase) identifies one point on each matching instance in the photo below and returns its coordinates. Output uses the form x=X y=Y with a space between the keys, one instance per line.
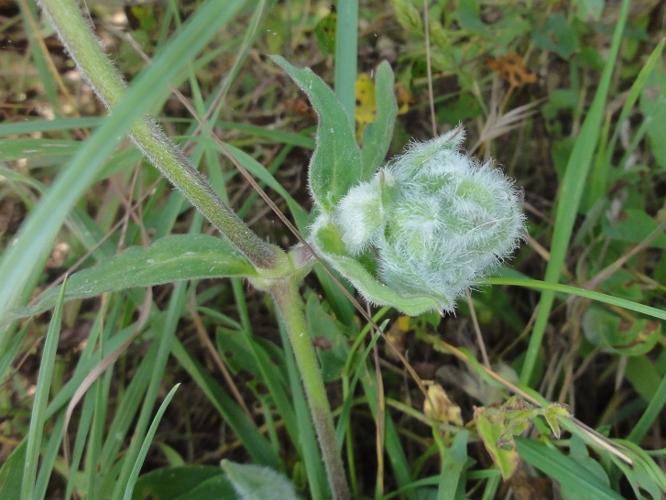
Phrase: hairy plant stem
x=290 y=308
x=77 y=36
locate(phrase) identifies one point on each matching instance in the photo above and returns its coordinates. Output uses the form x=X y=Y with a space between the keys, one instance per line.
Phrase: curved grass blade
x=38 y=416
x=138 y=463
x=580 y=292
x=570 y=194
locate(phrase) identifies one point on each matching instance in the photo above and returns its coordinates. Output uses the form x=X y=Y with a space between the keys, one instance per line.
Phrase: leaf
x=634 y=226
x=38 y=416
x=172 y=258
x=557 y=36
x=335 y=165
x=327 y=239
x=579 y=292
x=579 y=453
x=254 y=481
x=11 y=472
x=377 y=135
x=329 y=339
x=553 y=412
x=325 y=33
x=364 y=89
x=452 y=468
x=170 y=483
x=645 y=475
x=564 y=469
x=438 y=406
x=147 y=441
x=627 y=337
x=491 y=431
x=408 y=15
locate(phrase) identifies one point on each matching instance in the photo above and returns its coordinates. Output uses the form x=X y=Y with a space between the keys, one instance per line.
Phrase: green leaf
x=452 y=468
x=580 y=292
x=491 y=432
x=407 y=15
x=332 y=343
x=644 y=475
x=378 y=134
x=11 y=472
x=564 y=469
x=145 y=446
x=173 y=258
x=579 y=453
x=627 y=337
x=557 y=36
x=38 y=415
x=254 y=481
x=324 y=33
x=553 y=412
x=633 y=227
x=336 y=162
x=327 y=239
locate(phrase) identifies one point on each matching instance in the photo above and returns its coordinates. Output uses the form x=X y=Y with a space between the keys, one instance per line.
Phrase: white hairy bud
x=435 y=219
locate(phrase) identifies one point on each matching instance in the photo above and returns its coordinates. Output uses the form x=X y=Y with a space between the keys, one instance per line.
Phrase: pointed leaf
x=255 y=481
x=378 y=134
x=173 y=258
x=336 y=162
x=565 y=470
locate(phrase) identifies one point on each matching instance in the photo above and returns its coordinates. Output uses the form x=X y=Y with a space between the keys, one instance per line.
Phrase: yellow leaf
x=366 y=108
x=405 y=98
x=403 y=323
x=438 y=406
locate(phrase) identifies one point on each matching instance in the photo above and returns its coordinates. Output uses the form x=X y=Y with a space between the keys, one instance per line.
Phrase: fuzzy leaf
x=378 y=134
x=327 y=239
x=173 y=258
x=336 y=162
x=255 y=481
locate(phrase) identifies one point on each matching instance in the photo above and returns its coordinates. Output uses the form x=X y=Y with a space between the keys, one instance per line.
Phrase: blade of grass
x=346 y=41
x=650 y=415
x=49 y=458
x=255 y=444
x=138 y=463
x=164 y=341
x=38 y=414
x=453 y=465
x=564 y=469
x=570 y=194
x=553 y=288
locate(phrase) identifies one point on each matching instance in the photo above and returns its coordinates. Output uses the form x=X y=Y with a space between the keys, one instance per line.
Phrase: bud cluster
x=434 y=220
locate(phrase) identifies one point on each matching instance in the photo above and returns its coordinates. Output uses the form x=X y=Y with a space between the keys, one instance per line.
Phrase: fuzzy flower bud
x=434 y=219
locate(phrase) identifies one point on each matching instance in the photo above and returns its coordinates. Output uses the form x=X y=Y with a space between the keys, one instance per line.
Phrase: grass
x=572 y=325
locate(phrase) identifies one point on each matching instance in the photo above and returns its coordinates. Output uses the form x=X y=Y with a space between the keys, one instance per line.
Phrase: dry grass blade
x=497 y=124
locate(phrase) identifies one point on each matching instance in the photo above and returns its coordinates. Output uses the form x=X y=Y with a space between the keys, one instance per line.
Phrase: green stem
x=290 y=309
x=84 y=48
